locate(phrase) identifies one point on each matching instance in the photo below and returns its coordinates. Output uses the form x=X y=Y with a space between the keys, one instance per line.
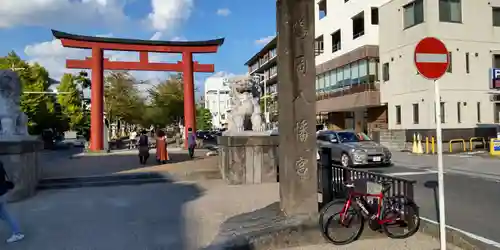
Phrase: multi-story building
x=471 y=32
x=217 y=100
x=264 y=65
x=347 y=65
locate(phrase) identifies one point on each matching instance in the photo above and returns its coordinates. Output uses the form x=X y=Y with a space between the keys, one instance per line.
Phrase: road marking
x=413 y=173
x=468 y=234
x=431 y=58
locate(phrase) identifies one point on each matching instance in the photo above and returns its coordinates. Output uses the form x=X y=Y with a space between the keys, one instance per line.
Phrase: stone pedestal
x=248 y=159
x=20 y=159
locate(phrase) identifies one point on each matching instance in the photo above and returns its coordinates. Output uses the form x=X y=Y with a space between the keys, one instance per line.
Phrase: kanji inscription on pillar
x=301 y=65
x=300 y=29
x=300 y=167
x=302 y=133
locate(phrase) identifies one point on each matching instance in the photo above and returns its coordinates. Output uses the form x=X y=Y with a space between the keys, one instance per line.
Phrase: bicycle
x=390 y=210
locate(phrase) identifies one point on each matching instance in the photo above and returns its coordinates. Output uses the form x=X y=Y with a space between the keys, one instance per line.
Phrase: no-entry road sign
x=431 y=58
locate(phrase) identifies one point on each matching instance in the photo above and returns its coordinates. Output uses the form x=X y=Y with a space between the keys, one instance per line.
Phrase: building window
x=450 y=64
x=459 y=112
x=336 y=41
x=443 y=120
x=358 y=25
x=442 y=111
x=450 y=11
x=413 y=13
x=496 y=16
x=416 y=118
x=374 y=16
x=385 y=72
x=478 y=108
x=322 y=9
x=467 y=65
x=496 y=61
x=398 y=114
x=319 y=46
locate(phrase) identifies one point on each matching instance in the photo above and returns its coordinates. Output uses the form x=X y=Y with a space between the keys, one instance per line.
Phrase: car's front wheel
x=345 y=160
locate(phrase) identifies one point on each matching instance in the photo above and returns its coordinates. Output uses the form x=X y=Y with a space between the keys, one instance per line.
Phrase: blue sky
x=247 y=25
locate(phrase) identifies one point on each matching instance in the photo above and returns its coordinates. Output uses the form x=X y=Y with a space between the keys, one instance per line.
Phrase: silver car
x=352 y=149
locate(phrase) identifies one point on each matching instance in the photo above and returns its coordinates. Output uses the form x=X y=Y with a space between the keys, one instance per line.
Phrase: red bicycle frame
x=353 y=194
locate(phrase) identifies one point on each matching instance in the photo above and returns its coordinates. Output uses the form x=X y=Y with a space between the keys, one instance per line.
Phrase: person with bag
x=191 y=142
x=5 y=186
x=143 y=147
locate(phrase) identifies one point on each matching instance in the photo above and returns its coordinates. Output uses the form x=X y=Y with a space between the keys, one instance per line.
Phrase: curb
x=126 y=179
x=455 y=237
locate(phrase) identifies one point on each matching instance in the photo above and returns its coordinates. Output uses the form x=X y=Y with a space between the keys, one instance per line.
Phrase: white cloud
x=178 y=38
x=223 y=12
x=264 y=40
x=222 y=74
x=157 y=36
x=61 y=12
x=167 y=14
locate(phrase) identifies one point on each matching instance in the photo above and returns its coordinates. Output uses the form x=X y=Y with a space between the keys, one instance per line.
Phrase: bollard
x=472 y=139
x=427 y=145
x=461 y=141
x=419 y=144
x=325 y=177
x=433 y=146
x=414 y=145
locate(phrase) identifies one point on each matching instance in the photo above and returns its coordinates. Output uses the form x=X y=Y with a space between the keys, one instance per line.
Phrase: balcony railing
x=358 y=34
x=348 y=90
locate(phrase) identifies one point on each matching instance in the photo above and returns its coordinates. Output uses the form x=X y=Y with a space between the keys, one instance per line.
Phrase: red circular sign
x=431 y=58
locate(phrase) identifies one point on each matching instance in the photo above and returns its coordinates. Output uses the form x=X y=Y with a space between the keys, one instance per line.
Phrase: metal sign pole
x=442 y=223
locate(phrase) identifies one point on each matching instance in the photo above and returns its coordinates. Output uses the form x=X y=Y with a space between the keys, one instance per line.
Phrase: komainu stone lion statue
x=245 y=111
x=12 y=120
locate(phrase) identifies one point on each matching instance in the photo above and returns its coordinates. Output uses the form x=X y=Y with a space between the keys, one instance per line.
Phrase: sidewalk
x=121 y=162
x=417 y=242
x=475 y=165
x=179 y=215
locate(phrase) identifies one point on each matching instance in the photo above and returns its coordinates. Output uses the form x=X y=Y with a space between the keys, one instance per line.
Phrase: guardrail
x=473 y=139
x=462 y=141
x=332 y=179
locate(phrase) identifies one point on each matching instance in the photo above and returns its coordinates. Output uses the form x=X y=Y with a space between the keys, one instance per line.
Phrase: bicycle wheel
x=400 y=226
x=337 y=231
x=329 y=209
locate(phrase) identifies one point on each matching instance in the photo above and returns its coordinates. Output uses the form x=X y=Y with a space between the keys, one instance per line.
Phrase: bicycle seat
x=349 y=184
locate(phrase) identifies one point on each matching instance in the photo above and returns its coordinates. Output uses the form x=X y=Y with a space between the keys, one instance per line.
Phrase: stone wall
x=248 y=159
x=392 y=139
x=20 y=159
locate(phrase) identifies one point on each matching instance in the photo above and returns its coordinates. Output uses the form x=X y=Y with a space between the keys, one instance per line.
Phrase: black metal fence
x=332 y=179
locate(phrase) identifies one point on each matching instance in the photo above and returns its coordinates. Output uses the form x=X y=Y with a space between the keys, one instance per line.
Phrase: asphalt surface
x=472 y=203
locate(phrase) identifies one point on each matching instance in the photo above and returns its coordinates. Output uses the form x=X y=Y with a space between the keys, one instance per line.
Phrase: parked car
x=352 y=149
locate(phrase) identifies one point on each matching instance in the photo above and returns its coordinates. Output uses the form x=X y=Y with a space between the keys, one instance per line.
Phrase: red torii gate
x=97 y=63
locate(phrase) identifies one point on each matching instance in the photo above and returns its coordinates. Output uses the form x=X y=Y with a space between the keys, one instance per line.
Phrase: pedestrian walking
x=191 y=142
x=5 y=186
x=161 y=147
x=143 y=145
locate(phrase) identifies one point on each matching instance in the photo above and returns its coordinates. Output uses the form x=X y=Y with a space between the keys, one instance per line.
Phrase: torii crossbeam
x=97 y=63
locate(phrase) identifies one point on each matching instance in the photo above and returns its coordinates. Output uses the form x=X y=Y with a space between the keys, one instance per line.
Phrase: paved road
x=472 y=202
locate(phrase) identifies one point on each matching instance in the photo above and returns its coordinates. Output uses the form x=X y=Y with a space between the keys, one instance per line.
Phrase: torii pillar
x=97 y=63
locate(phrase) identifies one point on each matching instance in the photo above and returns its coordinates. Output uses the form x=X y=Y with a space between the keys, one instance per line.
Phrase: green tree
x=122 y=100
x=71 y=101
x=203 y=118
x=40 y=108
x=167 y=101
